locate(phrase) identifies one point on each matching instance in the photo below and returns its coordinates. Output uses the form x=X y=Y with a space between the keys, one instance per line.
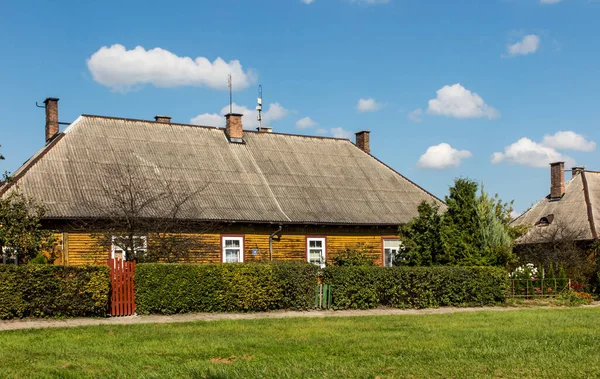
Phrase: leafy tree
x=473 y=231
x=421 y=237
x=21 y=232
x=496 y=235
x=460 y=231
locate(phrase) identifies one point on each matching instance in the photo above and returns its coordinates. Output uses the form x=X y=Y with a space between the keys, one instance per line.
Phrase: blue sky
x=444 y=84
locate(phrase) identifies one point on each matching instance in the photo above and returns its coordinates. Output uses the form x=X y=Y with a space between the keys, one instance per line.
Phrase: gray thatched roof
x=575 y=216
x=270 y=178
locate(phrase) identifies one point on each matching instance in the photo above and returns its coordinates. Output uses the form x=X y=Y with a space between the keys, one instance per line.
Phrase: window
x=391 y=248
x=233 y=249
x=315 y=251
x=9 y=255
x=121 y=244
x=545 y=221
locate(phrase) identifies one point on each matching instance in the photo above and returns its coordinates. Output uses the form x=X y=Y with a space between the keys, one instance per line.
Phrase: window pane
x=232 y=243
x=232 y=255
x=388 y=257
x=391 y=244
x=119 y=254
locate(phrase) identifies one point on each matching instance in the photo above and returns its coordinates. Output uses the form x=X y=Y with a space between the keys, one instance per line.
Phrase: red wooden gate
x=122 y=302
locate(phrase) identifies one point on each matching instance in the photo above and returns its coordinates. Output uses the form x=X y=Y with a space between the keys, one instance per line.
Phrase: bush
x=358 y=256
x=53 y=291
x=574 y=298
x=39 y=259
x=183 y=288
x=415 y=287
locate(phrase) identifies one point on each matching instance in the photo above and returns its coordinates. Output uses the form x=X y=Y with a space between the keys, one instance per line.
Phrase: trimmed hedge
x=415 y=287
x=182 y=288
x=53 y=291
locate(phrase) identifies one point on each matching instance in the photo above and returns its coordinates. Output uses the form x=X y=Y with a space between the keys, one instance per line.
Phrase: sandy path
x=160 y=319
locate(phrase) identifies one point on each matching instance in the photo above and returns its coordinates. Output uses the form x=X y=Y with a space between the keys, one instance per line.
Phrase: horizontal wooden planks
x=290 y=245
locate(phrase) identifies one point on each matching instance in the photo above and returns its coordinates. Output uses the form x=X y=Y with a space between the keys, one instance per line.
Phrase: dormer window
x=545 y=221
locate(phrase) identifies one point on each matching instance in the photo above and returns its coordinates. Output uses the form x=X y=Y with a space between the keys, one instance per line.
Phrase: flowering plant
x=528 y=271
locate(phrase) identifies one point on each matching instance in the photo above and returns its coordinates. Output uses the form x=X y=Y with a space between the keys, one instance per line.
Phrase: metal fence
x=531 y=288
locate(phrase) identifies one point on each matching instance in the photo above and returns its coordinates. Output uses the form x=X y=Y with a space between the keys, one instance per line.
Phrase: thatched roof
x=275 y=178
x=575 y=216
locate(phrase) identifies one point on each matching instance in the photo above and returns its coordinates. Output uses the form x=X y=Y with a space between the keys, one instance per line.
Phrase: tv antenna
x=230 y=85
x=259 y=107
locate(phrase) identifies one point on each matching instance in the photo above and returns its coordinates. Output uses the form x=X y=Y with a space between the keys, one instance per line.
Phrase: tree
x=474 y=230
x=21 y=233
x=496 y=235
x=421 y=237
x=143 y=215
x=6 y=175
x=460 y=232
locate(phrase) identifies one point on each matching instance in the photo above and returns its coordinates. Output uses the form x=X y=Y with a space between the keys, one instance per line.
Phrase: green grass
x=554 y=343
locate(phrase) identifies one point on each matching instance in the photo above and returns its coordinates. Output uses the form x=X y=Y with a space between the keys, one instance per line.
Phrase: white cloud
x=514 y=214
x=528 y=45
x=208 y=119
x=341 y=133
x=550 y=1
x=368 y=105
x=306 y=122
x=457 y=101
x=122 y=69
x=307 y=1
x=529 y=153
x=539 y=154
x=442 y=156
x=415 y=115
x=568 y=140
x=321 y=132
x=274 y=112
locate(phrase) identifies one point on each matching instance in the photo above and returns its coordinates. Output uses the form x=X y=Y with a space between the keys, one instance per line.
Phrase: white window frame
x=114 y=247
x=391 y=264
x=232 y=238
x=323 y=241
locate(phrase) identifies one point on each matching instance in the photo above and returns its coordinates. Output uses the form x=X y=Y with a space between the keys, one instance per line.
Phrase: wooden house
x=243 y=195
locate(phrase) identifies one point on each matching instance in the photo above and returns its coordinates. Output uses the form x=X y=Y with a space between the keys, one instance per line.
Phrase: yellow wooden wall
x=83 y=248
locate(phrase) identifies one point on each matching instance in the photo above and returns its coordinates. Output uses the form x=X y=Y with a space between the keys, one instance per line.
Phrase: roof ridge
x=590 y=211
x=211 y=127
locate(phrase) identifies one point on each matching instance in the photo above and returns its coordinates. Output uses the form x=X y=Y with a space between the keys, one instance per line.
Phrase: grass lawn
x=556 y=343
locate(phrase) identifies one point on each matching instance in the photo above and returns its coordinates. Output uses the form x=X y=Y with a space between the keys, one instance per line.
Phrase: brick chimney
x=557 y=180
x=233 y=126
x=576 y=170
x=162 y=119
x=51 y=104
x=362 y=141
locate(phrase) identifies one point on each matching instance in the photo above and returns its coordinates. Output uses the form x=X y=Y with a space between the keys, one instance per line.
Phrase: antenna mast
x=259 y=107
x=229 y=83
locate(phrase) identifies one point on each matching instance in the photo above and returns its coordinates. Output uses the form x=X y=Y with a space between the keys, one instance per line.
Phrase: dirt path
x=159 y=319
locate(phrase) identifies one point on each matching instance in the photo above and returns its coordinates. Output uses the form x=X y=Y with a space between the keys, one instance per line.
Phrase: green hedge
x=415 y=287
x=183 y=288
x=53 y=291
